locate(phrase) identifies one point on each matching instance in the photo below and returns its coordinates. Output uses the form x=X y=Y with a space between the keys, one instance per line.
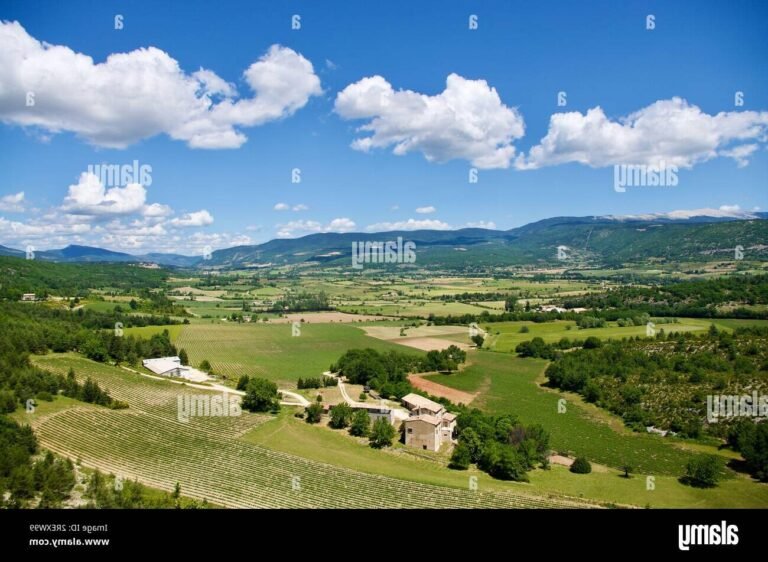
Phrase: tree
x=627 y=468
x=510 y=304
x=361 y=424
x=382 y=434
x=205 y=365
x=341 y=416
x=581 y=466
x=478 y=340
x=261 y=396
x=474 y=444
x=7 y=402
x=592 y=342
x=314 y=412
x=91 y=391
x=461 y=457
x=703 y=471
x=751 y=440
x=242 y=382
x=504 y=462
x=183 y=357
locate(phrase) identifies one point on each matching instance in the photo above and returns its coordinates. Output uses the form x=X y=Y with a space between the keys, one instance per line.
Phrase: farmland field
x=146 y=331
x=510 y=385
x=210 y=460
x=270 y=351
x=505 y=336
x=413 y=308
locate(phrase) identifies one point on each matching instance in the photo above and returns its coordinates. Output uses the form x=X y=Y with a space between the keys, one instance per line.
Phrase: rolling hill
x=594 y=240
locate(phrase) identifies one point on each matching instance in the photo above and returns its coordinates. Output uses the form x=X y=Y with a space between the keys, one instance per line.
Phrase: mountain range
x=606 y=240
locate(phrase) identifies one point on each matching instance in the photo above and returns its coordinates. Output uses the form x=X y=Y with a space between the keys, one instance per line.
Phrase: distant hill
x=603 y=240
x=85 y=253
x=77 y=254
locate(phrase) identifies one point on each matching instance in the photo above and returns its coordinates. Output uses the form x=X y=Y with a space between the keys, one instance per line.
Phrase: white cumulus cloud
x=410 y=224
x=287 y=207
x=197 y=218
x=13 y=203
x=724 y=211
x=425 y=210
x=490 y=225
x=90 y=197
x=673 y=131
x=465 y=121
x=302 y=227
x=136 y=95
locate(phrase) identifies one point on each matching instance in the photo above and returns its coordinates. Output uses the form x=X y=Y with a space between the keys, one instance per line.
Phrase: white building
x=376 y=411
x=172 y=367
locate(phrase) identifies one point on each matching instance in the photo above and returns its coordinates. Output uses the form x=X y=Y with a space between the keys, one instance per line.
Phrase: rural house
x=429 y=425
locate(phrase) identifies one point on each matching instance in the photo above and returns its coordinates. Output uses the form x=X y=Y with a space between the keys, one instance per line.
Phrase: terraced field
x=210 y=461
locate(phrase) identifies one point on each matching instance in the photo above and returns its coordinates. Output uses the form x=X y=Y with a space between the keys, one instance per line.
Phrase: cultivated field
x=270 y=351
x=507 y=384
x=505 y=336
x=210 y=460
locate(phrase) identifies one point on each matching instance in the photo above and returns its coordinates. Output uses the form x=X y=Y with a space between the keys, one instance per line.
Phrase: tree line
x=499 y=445
x=663 y=382
x=387 y=372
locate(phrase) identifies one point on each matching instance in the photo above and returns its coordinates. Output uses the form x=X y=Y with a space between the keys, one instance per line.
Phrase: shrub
x=702 y=471
x=592 y=342
x=314 y=412
x=581 y=466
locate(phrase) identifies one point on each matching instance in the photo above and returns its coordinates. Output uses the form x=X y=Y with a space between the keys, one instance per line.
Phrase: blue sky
x=217 y=176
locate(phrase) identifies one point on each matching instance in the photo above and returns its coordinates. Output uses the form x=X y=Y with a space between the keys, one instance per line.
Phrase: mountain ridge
x=603 y=239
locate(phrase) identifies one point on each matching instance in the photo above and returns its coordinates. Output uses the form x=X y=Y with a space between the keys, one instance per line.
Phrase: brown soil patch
x=436 y=389
x=428 y=344
x=560 y=459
